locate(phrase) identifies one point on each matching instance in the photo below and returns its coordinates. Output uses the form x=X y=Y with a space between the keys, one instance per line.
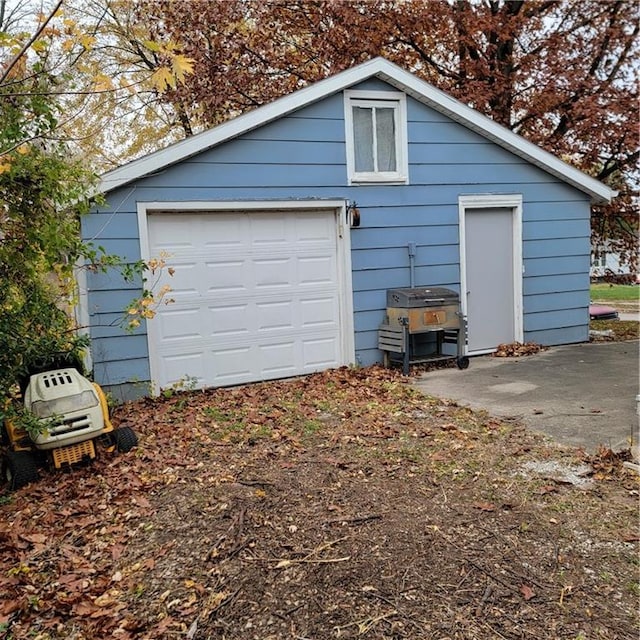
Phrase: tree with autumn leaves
x=48 y=81
x=560 y=73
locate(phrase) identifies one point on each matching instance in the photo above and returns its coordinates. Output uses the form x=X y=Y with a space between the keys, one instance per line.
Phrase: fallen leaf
x=484 y=506
x=527 y=592
x=630 y=537
x=36 y=538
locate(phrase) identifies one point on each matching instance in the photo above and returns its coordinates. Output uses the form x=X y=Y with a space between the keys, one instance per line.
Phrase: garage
x=284 y=251
x=256 y=294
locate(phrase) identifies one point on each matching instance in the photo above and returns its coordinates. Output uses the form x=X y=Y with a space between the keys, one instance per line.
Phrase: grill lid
x=421 y=297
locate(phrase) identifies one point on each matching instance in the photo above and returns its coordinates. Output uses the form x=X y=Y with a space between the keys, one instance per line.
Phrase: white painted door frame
x=343 y=247
x=512 y=202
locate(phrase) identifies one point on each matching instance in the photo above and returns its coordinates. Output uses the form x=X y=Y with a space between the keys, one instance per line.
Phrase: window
x=376 y=133
x=599 y=259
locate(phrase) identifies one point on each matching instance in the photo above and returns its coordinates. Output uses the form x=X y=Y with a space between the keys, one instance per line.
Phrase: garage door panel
x=273 y=272
x=318 y=311
x=269 y=230
x=256 y=296
x=227 y=276
x=319 y=352
x=220 y=231
x=278 y=359
x=227 y=321
x=179 y=324
x=183 y=278
x=314 y=227
x=274 y=315
x=231 y=366
x=315 y=270
x=178 y=367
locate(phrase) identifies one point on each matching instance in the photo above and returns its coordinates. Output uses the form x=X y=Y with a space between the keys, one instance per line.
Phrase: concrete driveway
x=581 y=395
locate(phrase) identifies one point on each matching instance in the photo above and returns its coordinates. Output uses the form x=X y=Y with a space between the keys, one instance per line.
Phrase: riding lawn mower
x=74 y=417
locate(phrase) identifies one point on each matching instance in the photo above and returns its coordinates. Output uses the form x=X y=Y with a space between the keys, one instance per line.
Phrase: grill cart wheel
x=462 y=363
x=19 y=468
x=125 y=439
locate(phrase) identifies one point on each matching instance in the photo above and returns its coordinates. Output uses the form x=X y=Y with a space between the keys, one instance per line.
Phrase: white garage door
x=256 y=296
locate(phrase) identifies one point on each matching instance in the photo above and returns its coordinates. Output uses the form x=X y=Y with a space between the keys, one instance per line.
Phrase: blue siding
x=302 y=156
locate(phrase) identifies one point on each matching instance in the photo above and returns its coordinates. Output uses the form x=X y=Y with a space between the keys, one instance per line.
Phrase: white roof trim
x=395 y=76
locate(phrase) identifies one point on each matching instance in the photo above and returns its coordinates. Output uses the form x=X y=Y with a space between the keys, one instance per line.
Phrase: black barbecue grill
x=420 y=320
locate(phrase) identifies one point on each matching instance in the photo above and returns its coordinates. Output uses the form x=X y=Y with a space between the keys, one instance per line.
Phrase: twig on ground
x=358 y=520
x=485 y=598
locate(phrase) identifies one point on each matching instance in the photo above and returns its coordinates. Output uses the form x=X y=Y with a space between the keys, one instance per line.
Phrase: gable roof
x=393 y=75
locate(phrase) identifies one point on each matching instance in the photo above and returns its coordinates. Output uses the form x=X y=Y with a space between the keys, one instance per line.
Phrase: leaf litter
x=343 y=504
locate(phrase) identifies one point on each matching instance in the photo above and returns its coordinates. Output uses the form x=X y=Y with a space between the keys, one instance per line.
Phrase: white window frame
x=388 y=99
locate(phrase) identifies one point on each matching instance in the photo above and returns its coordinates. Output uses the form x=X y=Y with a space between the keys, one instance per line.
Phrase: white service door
x=489 y=261
x=256 y=296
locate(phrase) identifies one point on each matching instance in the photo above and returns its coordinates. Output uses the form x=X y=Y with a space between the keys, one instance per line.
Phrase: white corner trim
x=394 y=75
x=81 y=310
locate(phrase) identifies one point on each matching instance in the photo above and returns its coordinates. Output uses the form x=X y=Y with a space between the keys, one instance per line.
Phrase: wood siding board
x=111 y=301
x=114 y=226
x=370 y=300
x=556 y=319
x=435 y=276
x=368 y=357
x=365 y=238
x=461 y=153
x=115 y=372
x=565 y=210
x=299 y=129
x=554 y=229
x=367 y=340
x=365 y=259
x=418 y=112
x=329 y=108
x=372 y=84
x=408 y=216
x=126 y=248
x=553 y=301
x=563 y=335
x=556 y=266
x=476 y=174
x=380 y=280
x=263 y=175
x=554 y=284
x=109 y=325
x=112 y=280
x=555 y=247
x=368 y=320
x=394 y=256
x=444 y=132
x=123 y=347
x=276 y=152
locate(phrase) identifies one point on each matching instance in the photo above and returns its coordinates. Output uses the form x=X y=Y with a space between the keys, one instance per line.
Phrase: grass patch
x=604 y=291
x=622 y=329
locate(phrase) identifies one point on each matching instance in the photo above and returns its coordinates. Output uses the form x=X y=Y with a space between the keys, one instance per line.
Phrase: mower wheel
x=125 y=439
x=19 y=469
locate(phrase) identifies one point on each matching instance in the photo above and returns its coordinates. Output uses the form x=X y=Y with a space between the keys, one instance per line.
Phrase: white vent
x=56 y=379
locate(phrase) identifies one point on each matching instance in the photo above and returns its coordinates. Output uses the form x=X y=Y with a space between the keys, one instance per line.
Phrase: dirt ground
x=340 y=505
